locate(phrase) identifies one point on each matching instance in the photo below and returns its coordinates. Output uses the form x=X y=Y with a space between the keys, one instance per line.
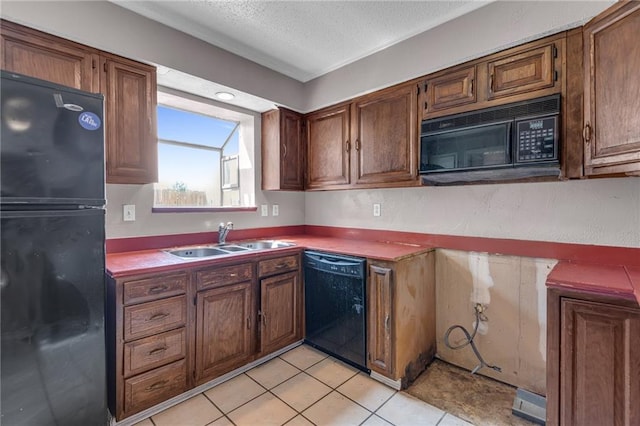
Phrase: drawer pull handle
x=157 y=385
x=158 y=288
x=159 y=316
x=233 y=275
x=386 y=323
x=158 y=350
x=281 y=265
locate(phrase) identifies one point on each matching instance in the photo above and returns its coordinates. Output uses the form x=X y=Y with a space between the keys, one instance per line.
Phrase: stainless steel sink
x=264 y=244
x=197 y=252
x=232 y=248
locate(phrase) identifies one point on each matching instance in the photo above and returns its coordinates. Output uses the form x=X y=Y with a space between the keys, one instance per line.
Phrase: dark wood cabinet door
x=611 y=91
x=280 y=311
x=522 y=72
x=282 y=150
x=130 y=116
x=599 y=364
x=36 y=54
x=452 y=89
x=380 y=313
x=328 y=148
x=385 y=136
x=224 y=325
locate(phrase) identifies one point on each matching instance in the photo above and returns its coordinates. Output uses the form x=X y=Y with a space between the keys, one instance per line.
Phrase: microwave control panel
x=537 y=140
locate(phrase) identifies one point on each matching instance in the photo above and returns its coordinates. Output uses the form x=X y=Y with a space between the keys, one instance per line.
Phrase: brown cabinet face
x=282 y=150
x=453 y=89
x=130 y=114
x=154 y=351
x=599 y=364
x=224 y=330
x=611 y=88
x=328 y=147
x=280 y=311
x=147 y=289
x=153 y=387
x=223 y=275
x=380 y=313
x=154 y=317
x=385 y=135
x=50 y=58
x=280 y=264
x=522 y=72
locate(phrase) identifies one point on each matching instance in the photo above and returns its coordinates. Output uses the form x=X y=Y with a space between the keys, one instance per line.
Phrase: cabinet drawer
x=280 y=264
x=148 y=389
x=224 y=275
x=154 y=317
x=153 y=288
x=151 y=352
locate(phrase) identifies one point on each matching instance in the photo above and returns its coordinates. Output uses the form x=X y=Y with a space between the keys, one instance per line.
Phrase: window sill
x=202 y=209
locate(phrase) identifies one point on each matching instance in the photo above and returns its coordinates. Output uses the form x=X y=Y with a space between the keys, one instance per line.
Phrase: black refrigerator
x=52 y=285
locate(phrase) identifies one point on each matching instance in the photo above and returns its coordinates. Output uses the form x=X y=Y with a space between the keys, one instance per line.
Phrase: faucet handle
x=221 y=226
x=230 y=225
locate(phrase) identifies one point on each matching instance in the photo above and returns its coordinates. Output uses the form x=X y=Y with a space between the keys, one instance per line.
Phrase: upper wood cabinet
x=328 y=148
x=611 y=87
x=369 y=142
x=129 y=88
x=282 y=150
x=385 y=137
x=40 y=55
x=130 y=115
x=529 y=71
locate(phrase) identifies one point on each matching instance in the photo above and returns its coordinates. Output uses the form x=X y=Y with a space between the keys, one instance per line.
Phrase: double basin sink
x=225 y=249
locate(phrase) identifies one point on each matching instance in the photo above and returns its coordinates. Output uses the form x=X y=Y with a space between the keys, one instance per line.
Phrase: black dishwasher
x=335 y=306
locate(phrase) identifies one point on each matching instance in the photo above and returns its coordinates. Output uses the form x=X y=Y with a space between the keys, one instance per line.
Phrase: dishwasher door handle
x=329 y=261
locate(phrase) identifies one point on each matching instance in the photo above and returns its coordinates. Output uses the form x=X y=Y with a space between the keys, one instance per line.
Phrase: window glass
x=184 y=126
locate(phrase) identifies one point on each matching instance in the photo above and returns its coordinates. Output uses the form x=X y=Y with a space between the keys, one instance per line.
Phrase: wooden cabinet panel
x=157 y=287
x=224 y=327
x=278 y=265
x=155 y=351
x=282 y=150
x=29 y=52
x=154 y=317
x=148 y=389
x=452 y=89
x=385 y=134
x=328 y=147
x=523 y=72
x=600 y=364
x=223 y=275
x=130 y=114
x=280 y=311
x=380 y=312
x=611 y=87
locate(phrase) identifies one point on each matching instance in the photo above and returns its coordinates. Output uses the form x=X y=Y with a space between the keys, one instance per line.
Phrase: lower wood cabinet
x=169 y=332
x=593 y=360
x=401 y=323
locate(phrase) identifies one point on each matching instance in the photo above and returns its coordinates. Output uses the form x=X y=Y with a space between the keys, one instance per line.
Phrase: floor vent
x=530 y=406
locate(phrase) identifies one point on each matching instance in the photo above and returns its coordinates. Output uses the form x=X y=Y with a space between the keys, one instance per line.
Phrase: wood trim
x=120 y=245
x=604 y=255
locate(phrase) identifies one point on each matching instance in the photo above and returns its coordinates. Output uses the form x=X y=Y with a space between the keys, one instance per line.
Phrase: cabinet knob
x=284 y=151
x=348 y=146
x=357 y=144
x=586 y=133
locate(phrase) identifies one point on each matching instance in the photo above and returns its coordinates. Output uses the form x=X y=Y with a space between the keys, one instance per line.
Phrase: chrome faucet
x=223 y=230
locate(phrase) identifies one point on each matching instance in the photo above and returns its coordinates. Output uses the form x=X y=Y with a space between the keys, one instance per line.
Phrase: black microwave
x=509 y=141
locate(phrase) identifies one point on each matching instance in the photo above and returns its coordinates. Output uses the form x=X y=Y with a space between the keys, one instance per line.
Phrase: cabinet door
x=522 y=72
x=385 y=134
x=130 y=117
x=380 y=312
x=223 y=330
x=599 y=364
x=280 y=311
x=611 y=88
x=328 y=148
x=36 y=54
x=282 y=150
x=450 y=90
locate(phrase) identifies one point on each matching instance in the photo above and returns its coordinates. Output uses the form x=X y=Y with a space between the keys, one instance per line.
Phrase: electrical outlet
x=376 y=209
x=129 y=212
x=275 y=210
x=264 y=210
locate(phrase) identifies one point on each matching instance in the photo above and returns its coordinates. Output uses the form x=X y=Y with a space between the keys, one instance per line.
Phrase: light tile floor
x=302 y=387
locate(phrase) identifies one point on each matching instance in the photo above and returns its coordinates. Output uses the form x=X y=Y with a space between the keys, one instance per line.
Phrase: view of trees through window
x=198 y=157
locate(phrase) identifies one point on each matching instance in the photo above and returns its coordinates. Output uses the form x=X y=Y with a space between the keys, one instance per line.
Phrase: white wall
x=600 y=211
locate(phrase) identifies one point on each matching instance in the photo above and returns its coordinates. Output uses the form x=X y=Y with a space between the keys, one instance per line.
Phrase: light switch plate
x=129 y=212
x=275 y=210
x=264 y=210
x=376 y=209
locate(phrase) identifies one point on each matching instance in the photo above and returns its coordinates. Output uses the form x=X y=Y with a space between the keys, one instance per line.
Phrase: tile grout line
x=219 y=409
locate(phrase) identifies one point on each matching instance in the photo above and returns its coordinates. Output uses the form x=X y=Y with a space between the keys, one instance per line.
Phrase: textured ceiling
x=302 y=39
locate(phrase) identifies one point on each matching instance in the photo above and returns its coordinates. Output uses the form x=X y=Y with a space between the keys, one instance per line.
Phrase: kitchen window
x=204 y=155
